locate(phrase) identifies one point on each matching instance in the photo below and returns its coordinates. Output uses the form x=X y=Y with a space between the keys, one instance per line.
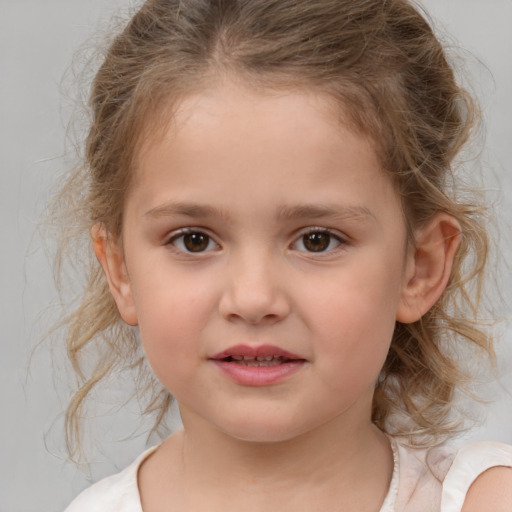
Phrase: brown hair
x=380 y=60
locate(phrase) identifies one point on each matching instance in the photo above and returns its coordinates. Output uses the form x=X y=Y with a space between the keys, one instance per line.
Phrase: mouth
x=272 y=360
x=262 y=355
x=257 y=366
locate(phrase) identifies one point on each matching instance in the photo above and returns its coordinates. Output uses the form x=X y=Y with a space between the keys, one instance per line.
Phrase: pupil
x=316 y=242
x=196 y=242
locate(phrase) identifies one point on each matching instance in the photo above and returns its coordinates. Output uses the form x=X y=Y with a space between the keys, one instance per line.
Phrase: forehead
x=233 y=112
x=271 y=150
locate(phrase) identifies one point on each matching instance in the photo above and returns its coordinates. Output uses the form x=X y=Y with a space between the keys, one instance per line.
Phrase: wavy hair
x=381 y=62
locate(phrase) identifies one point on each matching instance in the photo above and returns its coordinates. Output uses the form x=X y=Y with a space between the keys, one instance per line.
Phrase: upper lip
x=256 y=351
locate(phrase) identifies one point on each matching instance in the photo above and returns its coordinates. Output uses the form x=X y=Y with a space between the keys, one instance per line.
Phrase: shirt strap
x=469 y=463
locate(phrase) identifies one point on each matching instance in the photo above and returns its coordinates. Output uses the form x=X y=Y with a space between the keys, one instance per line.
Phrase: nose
x=254 y=291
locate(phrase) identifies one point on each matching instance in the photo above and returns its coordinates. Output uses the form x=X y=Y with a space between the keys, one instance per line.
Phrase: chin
x=261 y=431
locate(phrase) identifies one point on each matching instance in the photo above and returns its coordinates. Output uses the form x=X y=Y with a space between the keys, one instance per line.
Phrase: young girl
x=268 y=185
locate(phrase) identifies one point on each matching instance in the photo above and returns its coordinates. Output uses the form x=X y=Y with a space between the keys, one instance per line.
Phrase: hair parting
x=383 y=67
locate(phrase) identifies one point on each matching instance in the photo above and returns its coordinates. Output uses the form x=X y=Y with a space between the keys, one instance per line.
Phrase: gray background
x=37 y=41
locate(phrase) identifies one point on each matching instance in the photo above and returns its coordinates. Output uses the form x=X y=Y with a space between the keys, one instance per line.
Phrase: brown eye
x=196 y=242
x=317 y=241
x=193 y=242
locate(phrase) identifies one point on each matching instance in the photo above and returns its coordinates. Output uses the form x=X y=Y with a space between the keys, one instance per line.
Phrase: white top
x=424 y=480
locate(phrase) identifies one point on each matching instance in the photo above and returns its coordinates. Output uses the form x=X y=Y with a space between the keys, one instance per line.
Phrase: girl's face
x=266 y=259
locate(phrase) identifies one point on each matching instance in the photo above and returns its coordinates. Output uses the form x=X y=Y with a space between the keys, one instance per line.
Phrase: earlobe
x=429 y=267
x=111 y=258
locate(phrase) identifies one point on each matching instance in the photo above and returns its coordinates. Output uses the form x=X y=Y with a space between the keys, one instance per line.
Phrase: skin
x=490 y=491
x=257 y=173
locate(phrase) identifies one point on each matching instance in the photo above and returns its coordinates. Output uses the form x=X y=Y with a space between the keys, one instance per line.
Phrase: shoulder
x=474 y=478
x=117 y=493
x=492 y=490
x=480 y=478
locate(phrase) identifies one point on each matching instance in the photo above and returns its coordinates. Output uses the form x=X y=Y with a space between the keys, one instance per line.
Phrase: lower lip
x=259 y=375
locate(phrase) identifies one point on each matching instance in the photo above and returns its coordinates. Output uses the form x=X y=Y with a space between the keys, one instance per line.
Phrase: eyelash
x=178 y=240
x=330 y=234
x=181 y=235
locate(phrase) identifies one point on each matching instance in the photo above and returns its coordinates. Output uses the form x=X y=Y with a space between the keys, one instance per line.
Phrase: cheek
x=355 y=340
x=171 y=321
x=354 y=321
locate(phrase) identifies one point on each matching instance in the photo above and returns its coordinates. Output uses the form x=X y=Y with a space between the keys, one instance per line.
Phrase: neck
x=316 y=452
x=347 y=466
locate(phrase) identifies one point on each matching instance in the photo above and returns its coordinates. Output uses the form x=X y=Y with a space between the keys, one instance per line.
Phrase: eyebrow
x=322 y=211
x=193 y=210
x=302 y=211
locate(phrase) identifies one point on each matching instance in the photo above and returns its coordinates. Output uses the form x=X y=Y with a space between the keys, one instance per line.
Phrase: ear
x=111 y=258
x=428 y=267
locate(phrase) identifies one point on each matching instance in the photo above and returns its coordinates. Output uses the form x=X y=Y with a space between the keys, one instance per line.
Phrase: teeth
x=258 y=360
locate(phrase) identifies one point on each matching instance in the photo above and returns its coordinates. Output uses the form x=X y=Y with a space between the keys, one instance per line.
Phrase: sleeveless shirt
x=424 y=480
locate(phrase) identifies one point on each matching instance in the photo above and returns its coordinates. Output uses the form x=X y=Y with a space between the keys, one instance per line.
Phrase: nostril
x=254 y=301
x=255 y=319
